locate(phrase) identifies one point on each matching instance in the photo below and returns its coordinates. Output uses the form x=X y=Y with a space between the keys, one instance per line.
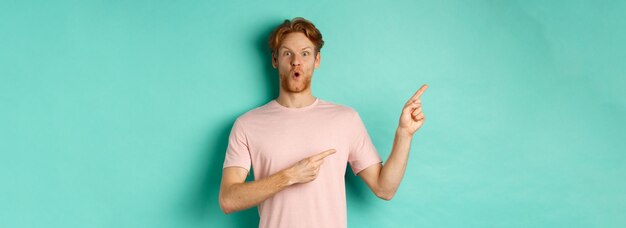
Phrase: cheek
x=284 y=68
x=311 y=63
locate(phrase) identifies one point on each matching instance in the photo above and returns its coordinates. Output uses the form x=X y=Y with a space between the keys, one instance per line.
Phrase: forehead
x=296 y=40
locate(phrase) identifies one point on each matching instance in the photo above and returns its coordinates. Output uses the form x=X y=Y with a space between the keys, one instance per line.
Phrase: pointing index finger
x=419 y=92
x=322 y=155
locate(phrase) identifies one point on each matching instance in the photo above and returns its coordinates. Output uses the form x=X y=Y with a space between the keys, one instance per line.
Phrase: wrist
x=286 y=176
x=402 y=133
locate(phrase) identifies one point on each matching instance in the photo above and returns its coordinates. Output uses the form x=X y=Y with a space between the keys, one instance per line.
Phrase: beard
x=295 y=86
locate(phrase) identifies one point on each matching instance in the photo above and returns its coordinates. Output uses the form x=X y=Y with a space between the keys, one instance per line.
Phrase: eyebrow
x=282 y=47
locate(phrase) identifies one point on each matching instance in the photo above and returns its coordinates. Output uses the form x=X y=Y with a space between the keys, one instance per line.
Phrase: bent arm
x=384 y=180
x=236 y=194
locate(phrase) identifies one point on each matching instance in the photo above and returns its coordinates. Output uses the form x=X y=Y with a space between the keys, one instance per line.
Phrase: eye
x=287 y=53
x=306 y=53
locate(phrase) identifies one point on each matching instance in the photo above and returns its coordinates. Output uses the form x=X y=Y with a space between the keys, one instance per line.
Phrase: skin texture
x=296 y=56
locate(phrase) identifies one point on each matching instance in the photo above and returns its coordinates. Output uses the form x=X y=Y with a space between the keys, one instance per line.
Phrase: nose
x=295 y=61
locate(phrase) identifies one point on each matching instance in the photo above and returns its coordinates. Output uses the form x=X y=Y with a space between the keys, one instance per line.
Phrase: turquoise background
x=117 y=113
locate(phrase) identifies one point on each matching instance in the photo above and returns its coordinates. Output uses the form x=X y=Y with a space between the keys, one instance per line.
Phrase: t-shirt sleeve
x=363 y=154
x=237 y=153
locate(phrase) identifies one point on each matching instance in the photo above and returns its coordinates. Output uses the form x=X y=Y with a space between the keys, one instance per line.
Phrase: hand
x=412 y=117
x=306 y=169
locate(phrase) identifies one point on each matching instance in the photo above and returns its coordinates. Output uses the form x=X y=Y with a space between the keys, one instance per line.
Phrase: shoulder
x=253 y=114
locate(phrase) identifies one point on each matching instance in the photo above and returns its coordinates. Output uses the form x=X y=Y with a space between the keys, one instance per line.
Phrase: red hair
x=297 y=24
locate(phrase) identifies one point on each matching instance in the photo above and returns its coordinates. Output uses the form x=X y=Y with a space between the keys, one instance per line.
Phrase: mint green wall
x=117 y=114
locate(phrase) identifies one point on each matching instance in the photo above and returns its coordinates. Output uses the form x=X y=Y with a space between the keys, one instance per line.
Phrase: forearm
x=393 y=170
x=237 y=197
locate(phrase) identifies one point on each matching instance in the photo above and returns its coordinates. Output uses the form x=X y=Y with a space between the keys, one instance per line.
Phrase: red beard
x=293 y=85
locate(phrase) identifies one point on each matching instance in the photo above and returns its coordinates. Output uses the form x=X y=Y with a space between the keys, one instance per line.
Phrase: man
x=299 y=145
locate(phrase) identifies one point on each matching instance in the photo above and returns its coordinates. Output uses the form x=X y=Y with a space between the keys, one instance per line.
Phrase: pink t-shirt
x=273 y=137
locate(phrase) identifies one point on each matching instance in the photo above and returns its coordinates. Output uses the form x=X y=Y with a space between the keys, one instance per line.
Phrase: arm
x=236 y=194
x=384 y=180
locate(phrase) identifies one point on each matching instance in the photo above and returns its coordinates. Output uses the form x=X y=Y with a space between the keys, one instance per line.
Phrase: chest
x=275 y=145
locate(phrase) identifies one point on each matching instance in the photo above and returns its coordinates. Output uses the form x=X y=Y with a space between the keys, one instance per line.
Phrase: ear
x=318 y=58
x=274 y=61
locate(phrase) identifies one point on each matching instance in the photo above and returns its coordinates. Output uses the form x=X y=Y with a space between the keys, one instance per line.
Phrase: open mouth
x=296 y=73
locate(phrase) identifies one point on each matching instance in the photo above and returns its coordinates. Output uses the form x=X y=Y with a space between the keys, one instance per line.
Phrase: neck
x=295 y=100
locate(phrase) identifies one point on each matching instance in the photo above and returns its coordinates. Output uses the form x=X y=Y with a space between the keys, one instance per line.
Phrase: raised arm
x=384 y=180
x=236 y=194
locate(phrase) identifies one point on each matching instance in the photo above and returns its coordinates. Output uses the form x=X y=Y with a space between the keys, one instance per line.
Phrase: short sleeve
x=237 y=153
x=363 y=154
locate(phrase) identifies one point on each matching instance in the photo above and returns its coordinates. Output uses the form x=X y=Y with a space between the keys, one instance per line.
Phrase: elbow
x=226 y=210
x=226 y=206
x=385 y=195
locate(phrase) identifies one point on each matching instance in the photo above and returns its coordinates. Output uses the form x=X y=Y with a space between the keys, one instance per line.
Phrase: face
x=295 y=60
